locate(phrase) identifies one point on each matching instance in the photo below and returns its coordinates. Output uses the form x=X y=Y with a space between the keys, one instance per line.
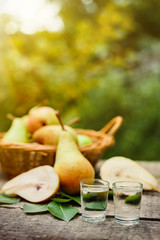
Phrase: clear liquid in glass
x=94 y=203
x=127 y=206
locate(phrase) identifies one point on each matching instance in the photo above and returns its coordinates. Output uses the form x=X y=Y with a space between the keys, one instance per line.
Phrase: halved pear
x=125 y=169
x=35 y=185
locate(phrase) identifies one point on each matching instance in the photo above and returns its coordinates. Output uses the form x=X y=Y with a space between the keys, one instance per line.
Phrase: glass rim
x=139 y=184
x=106 y=183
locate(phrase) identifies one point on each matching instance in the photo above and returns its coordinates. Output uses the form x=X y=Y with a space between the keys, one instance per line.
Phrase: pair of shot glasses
x=127 y=200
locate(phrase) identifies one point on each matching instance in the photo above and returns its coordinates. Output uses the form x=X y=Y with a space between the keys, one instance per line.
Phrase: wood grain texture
x=16 y=225
x=149 y=207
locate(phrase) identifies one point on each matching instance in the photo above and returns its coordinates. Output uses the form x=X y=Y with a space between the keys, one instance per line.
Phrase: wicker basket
x=16 y=158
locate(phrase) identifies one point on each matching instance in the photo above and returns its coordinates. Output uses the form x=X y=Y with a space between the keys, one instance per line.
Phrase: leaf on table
x=110 y=194
x=5 y=198
x=77 y=199
x=96 y=205
x=34 y=208
x=9 y=195
x=61 y=200
x=134 y=199
x=62 y=211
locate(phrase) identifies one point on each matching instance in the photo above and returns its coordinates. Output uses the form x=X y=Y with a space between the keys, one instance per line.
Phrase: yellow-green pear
x=84 y=140
x=25 y=120
x=71 y=165
x=17 y=132
x=49 y=135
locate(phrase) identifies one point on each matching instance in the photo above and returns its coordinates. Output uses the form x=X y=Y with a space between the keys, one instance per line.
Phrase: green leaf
x=34 y=208
x=134 y=199
x=62 y=211
x=110 y=194
x=9 y=195
x=9 y=200
x=61 y=200
x=76 y=198
x=96 y=205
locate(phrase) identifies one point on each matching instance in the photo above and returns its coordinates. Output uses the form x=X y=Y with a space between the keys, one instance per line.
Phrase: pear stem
x=60 y=121
x=72 y=121
x=10 y=116
x=43 y=103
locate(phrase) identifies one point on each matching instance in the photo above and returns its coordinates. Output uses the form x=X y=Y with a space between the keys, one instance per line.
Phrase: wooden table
x=16 y=225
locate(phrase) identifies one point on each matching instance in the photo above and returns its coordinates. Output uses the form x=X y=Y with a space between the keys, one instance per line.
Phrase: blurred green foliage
x=104 y=63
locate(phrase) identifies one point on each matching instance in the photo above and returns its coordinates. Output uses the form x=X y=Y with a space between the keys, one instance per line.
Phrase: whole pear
x=17 y=132
x=84 y=140
x=70 y=164
x=41 y=116
x=49 y=135
x=25 y=120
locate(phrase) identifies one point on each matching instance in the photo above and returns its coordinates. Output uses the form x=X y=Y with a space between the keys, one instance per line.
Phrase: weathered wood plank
x=3 y=178
x=149 y=207
x=18 y=225
x=152 y=167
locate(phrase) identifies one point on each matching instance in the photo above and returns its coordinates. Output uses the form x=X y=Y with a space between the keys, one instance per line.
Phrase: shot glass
x=127 y=201
x=94 y=198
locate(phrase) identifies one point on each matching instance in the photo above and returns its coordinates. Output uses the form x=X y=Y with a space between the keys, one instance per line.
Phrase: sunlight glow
x=33 y=15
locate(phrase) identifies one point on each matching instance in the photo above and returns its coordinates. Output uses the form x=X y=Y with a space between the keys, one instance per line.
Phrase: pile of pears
x=41 y=125
x=44 y=126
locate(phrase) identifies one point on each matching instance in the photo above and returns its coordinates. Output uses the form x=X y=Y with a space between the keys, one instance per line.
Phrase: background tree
x=104 y=63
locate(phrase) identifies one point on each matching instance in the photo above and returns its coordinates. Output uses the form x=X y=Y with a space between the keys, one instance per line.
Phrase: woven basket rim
x=101 y=139
x=27 y=146
x=97 y=137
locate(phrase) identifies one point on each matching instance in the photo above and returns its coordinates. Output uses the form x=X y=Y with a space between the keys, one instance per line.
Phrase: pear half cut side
x=124 y=169
x=36 y=185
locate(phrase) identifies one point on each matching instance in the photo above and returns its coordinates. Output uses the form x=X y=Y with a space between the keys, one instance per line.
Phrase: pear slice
x=125 y=169
x=35 y=185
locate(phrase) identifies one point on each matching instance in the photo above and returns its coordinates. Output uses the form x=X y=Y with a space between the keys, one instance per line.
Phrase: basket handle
x=112 y=127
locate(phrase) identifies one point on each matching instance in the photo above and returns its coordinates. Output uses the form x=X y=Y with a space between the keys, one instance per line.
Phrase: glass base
x=127 y=222
x=93 y=219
